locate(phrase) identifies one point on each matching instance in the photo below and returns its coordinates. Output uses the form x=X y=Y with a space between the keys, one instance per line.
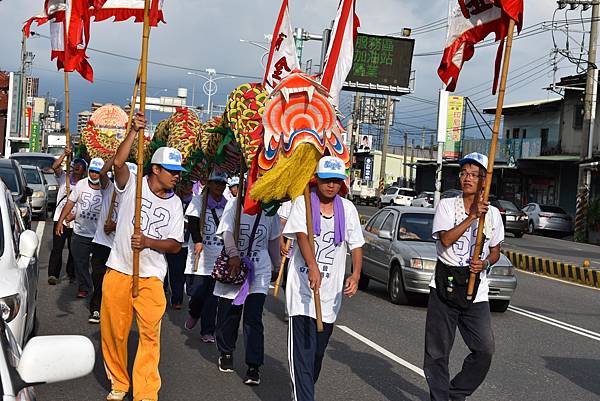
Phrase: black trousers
x=58 y=244
x=81 y=248
x=100 y=255
x=176 y=262
x=306 y=349
x=203 y=303
x=475 y=327
x=228 y=323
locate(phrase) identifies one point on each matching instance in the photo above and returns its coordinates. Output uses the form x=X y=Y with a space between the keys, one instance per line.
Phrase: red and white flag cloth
x=340 y=53
x=283 y=58
x=470 y=22
x=122 y=10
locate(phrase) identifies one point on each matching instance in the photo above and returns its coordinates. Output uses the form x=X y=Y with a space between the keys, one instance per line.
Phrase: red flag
x=470 y=22
x=122 y=10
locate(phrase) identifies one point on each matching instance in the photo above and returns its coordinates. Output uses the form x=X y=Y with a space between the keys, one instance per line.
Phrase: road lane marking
x=556 y=323
x=39 y=230
x=383 y=351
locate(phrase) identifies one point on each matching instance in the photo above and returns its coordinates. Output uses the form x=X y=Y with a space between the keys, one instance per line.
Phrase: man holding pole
x=455 y=229
x=161 y=232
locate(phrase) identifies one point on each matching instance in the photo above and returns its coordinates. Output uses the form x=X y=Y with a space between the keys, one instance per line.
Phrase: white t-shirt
x=459 y=253
x=212 y=243
x=61 y=197
x=161 y=219
x=268 y=229
x=100 y=237
x=330 y=258
x=284 y=210
x=89 y=205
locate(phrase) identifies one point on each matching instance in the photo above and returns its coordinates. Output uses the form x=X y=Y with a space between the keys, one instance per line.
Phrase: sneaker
x=82 y=294
x=52 y=280
x=207 y=338
x=116 y=395
x=190 y=323
x=226 y=363
x=94 y=317
x=252 y=376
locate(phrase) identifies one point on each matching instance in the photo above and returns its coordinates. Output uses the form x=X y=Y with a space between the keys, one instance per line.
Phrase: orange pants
x=117 y=312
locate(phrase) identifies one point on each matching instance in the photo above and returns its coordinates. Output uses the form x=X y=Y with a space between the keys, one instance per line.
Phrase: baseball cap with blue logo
x=132 y=167
x=474 y=158
x=331 y=167
x=169 y=158
x=96 y=165
x=233 y=181
x=218 y=176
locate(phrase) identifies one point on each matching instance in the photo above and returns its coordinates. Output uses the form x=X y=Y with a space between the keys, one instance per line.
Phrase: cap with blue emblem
x=169 y=158
x=331 y=167
x=96 y=165
x=475 y=158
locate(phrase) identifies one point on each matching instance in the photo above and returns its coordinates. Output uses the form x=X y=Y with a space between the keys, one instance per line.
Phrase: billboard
x=365 y=144
x=34 y=138
x=382 y=64
x=454 y=127
x=374 y=109
x=368 y=169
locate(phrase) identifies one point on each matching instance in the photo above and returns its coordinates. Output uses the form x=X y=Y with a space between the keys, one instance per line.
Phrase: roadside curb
x=554 y=268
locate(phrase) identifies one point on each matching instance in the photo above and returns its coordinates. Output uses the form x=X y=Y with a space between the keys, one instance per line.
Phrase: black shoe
x=94 y=317
x=252 y=376
x=226 y=363
x=52 y=280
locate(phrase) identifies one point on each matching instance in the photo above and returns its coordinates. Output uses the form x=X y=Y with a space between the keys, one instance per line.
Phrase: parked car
x=548 y=218
x=19 y=270
x=396 y=196
x=400 y=252
x=39 y=199
x=515 y=221
x=363 y=192
x=44 y=360
x=424 y=199
x=44 y=161
x=12 y=175
x=450 y=193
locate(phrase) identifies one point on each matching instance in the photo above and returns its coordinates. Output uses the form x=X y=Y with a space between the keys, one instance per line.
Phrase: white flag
x=283 y=58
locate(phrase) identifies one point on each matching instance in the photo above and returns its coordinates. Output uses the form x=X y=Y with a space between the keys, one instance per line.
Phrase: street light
x=154 y=95
x=262 y=45
x=209 y=87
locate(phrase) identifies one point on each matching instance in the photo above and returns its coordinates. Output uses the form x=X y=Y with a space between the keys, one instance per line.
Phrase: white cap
x=96 y=164
x=218 y=176
x=475 y=158
x=132 y=167
x=233 y=181
x=331 y=167
x=169 y=158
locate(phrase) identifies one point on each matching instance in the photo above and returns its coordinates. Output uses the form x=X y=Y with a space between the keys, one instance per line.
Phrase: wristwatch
x=487 y=264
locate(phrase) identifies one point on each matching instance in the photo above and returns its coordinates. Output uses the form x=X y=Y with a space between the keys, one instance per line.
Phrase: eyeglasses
x=474 y=176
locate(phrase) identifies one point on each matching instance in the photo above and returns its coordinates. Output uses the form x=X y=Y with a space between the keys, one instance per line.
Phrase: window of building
x=507 y=134
x=516 y=133
x=578 y=117
x=524 y=133
x=544 y=135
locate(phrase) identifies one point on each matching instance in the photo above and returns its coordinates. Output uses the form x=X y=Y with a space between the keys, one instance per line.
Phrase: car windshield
x=9 y=177
x=32 y=176
x=508 y=205
x=407 y=192
x=416 y=227
x=552 y=209
x=38 y=161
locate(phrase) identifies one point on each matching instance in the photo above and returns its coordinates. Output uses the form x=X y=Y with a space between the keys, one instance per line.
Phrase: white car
x=397 y=196
x=45 y=359
x=424 y=199
x=19 y=270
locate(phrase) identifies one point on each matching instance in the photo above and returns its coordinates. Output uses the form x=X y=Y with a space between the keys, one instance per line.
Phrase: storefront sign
x=456 y=106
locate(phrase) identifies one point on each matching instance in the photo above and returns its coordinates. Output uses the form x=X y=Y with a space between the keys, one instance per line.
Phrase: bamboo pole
x=311 y=240
x=492 y=155
x=202 y=223
x=67 y=134
x=140 y=145
x=240 y=201
x=288 y=243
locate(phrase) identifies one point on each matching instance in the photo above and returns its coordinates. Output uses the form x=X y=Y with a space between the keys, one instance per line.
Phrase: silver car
x=424 y=199
x=548 y=218
x=400 y=252
x=37 y=182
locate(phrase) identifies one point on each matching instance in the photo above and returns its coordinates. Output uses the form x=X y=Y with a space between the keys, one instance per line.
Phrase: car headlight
x=502 y=271
x=422 y=264
x=9 y=307
x=52 y=188
x=38 y=194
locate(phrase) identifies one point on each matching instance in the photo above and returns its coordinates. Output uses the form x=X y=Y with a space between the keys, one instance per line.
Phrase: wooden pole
x=140 y=147
x=202 y=223
x=492 y=155
x=311 y=240
x=240 y=201
x=67 y=134
x=288 y=242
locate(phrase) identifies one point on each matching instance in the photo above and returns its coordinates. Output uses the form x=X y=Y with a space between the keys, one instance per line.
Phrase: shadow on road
x=580 y=371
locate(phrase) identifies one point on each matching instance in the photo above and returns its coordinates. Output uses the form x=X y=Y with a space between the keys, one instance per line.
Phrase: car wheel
x=531 y=228
x=499 y=306
x=396 y=286
x=518 y=235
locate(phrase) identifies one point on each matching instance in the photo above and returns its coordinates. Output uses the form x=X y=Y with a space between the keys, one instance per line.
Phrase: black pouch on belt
x=451 y=285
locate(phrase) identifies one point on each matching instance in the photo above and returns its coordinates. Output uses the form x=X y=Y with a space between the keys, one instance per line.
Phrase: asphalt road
x=547 y=348
x=564 y=250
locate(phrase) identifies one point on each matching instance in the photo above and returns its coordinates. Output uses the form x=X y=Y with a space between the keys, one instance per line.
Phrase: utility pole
x=423 y=138
x=354 y=122
x=386 y=137
x=442 y=129
x=412 y=160
x=431 y=147
x=404 y=158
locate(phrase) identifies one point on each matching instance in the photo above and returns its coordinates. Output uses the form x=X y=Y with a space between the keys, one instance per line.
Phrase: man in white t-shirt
x=455 y=229
x=161 y=233
x=78 y=169
x=86 y=197
x=336 y=230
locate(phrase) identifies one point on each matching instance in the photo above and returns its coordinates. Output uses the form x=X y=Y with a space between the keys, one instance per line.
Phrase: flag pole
x=492 y=153
x=140 y=145
x=67 y=134
x=202 y=223
x=288 y=243
x=311 y=241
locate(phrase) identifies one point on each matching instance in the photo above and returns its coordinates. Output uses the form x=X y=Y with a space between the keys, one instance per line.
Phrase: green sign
x=382 y=60
x=34 y=138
